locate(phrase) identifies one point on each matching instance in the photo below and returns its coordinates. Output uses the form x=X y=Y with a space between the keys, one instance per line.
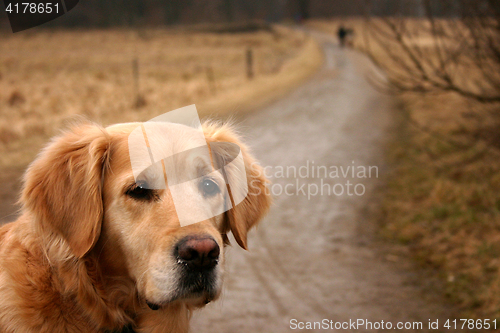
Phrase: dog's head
x=82 y=190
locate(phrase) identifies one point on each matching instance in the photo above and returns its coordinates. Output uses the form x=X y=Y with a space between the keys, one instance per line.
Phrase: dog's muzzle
x=197 y=253
x=197 y=258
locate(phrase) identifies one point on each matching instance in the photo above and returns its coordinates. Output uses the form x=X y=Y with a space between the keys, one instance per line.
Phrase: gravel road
x=315 y=257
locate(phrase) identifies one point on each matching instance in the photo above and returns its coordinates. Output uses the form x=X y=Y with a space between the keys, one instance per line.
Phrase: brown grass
x=443 y=202
x=443 y=199
x=48 y=77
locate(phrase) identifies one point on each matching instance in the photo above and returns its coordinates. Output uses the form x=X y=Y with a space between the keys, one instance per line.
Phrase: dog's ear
x=247 y=212
x=63 y=186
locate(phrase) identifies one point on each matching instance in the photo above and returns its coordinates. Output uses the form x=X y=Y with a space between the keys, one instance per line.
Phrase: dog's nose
x=198 y=252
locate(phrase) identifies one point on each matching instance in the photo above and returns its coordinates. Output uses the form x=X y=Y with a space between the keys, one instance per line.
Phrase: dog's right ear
x=254 y=200
x=63 y=186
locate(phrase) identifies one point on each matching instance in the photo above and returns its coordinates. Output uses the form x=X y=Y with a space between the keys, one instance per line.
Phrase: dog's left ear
x=63 y=186
x=247 y=213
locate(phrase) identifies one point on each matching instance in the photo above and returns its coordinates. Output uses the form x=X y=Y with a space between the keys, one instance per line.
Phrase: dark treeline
x=102 y=13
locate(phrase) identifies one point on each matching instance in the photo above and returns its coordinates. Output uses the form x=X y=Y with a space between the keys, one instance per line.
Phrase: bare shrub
x=459 y=54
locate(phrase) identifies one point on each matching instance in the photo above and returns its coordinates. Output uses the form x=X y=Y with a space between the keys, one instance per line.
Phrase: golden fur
x=84 y=257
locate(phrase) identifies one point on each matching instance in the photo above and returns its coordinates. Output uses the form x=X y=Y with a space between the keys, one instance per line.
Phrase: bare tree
x=460 y=53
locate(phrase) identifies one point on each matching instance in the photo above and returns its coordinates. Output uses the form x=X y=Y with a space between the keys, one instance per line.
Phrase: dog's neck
x=79 y=292
x=107 y=301
x=119 y=289
x=116 y=296
x=85 y=293
x=126 y=329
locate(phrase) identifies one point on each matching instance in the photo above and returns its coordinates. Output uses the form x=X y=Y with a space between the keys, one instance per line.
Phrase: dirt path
x=313 y=258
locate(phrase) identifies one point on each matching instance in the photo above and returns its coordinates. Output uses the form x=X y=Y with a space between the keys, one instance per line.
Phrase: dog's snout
x=199 y=252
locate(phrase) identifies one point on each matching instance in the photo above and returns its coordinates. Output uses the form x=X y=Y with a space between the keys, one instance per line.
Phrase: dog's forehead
x=166 y=139
x=163 y=138
x=176 y=136
x=150 y=142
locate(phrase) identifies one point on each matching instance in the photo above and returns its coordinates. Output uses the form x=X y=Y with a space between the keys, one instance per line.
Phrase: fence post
x=139 y=100
x=249 y=61
x=211 y=80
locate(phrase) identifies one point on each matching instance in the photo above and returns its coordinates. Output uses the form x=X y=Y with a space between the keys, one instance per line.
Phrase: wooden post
x=211 y=80
x=139 y=100
x=135 y=73
x=249 y=61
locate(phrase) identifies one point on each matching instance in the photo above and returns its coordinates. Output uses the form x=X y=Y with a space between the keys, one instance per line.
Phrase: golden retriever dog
x=95 y=251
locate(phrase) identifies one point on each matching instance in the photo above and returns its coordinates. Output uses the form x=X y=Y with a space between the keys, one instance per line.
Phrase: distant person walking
x=342 y=34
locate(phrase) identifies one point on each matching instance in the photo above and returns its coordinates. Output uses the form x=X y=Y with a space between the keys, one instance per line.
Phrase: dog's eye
x=139 y=192
x=209 y=188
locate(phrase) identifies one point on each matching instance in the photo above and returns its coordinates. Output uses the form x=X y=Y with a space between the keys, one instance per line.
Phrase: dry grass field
x=49 y=77
x=442 y=202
